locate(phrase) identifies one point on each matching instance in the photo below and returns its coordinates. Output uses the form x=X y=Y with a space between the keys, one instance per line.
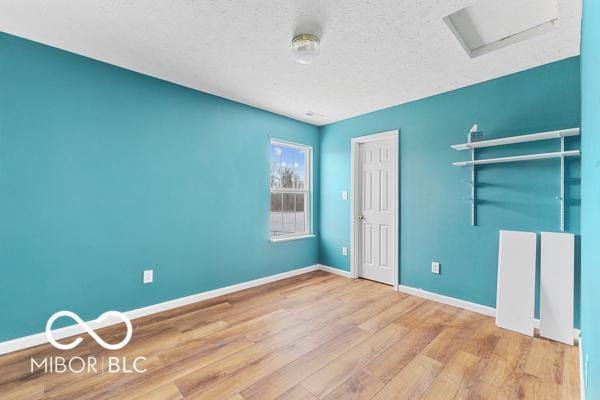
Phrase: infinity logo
x=89 y=330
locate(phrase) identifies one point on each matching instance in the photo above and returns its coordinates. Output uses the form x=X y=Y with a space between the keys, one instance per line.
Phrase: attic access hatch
x=489 y=25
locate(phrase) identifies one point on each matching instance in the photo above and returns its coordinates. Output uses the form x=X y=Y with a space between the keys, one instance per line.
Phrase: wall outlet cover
x=344 y=251
x=148 y=276
x=344 y=195
x=435 y=267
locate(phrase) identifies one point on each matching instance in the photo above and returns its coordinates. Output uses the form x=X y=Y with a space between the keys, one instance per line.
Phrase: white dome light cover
x=306 y=47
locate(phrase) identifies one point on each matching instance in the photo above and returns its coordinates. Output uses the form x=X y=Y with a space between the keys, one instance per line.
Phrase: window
x=290 y=190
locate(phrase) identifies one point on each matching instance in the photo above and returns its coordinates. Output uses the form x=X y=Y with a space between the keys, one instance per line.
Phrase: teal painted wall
x=590 y=192
x=434 y=209
x=105 y=172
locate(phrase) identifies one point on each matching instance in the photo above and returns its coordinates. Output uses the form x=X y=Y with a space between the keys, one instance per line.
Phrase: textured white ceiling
x=374 y=53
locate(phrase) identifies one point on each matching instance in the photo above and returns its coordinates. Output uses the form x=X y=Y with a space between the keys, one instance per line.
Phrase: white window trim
x=277 y=239
x=308 y=189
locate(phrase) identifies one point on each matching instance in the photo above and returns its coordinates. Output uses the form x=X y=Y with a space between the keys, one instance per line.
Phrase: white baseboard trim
x=467 y=305
x=40 y=338
x=337 y=271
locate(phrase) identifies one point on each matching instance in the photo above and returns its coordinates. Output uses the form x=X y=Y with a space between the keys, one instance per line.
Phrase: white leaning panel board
x=557 y=286
x=515 y=295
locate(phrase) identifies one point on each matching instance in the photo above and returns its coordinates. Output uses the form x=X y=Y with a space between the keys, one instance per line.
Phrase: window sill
x=288 y=239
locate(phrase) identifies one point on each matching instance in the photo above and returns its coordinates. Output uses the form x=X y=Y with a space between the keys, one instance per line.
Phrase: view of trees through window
x=289 y=189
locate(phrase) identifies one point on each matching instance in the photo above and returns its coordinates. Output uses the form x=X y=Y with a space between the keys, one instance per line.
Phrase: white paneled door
x=377 y=178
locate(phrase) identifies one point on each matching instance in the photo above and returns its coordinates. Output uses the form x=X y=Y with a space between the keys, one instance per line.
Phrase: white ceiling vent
x=489 y=25
x=313 y=114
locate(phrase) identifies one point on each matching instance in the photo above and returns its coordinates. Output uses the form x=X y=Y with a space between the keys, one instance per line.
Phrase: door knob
x=360 y=217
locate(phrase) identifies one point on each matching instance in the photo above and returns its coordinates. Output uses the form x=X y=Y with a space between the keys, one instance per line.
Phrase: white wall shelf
x=540 y=156
x=473 y=143
x=517 y=139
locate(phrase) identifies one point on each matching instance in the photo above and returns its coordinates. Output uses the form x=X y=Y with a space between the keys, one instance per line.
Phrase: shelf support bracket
x=562 y=185
x=473 y=136
x=473 y=220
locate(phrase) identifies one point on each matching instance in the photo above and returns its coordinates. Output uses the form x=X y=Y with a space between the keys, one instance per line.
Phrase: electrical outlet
x=344 y=195
x=148 y=276
x=344 y=251
x=435 y=268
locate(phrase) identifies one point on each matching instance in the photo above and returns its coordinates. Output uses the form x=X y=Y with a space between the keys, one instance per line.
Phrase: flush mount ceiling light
x=306 y=47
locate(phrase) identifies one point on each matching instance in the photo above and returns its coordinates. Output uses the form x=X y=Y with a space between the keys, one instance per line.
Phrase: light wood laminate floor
x=314 y=336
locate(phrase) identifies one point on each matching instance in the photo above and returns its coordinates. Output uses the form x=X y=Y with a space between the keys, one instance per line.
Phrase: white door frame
x=354 y=245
